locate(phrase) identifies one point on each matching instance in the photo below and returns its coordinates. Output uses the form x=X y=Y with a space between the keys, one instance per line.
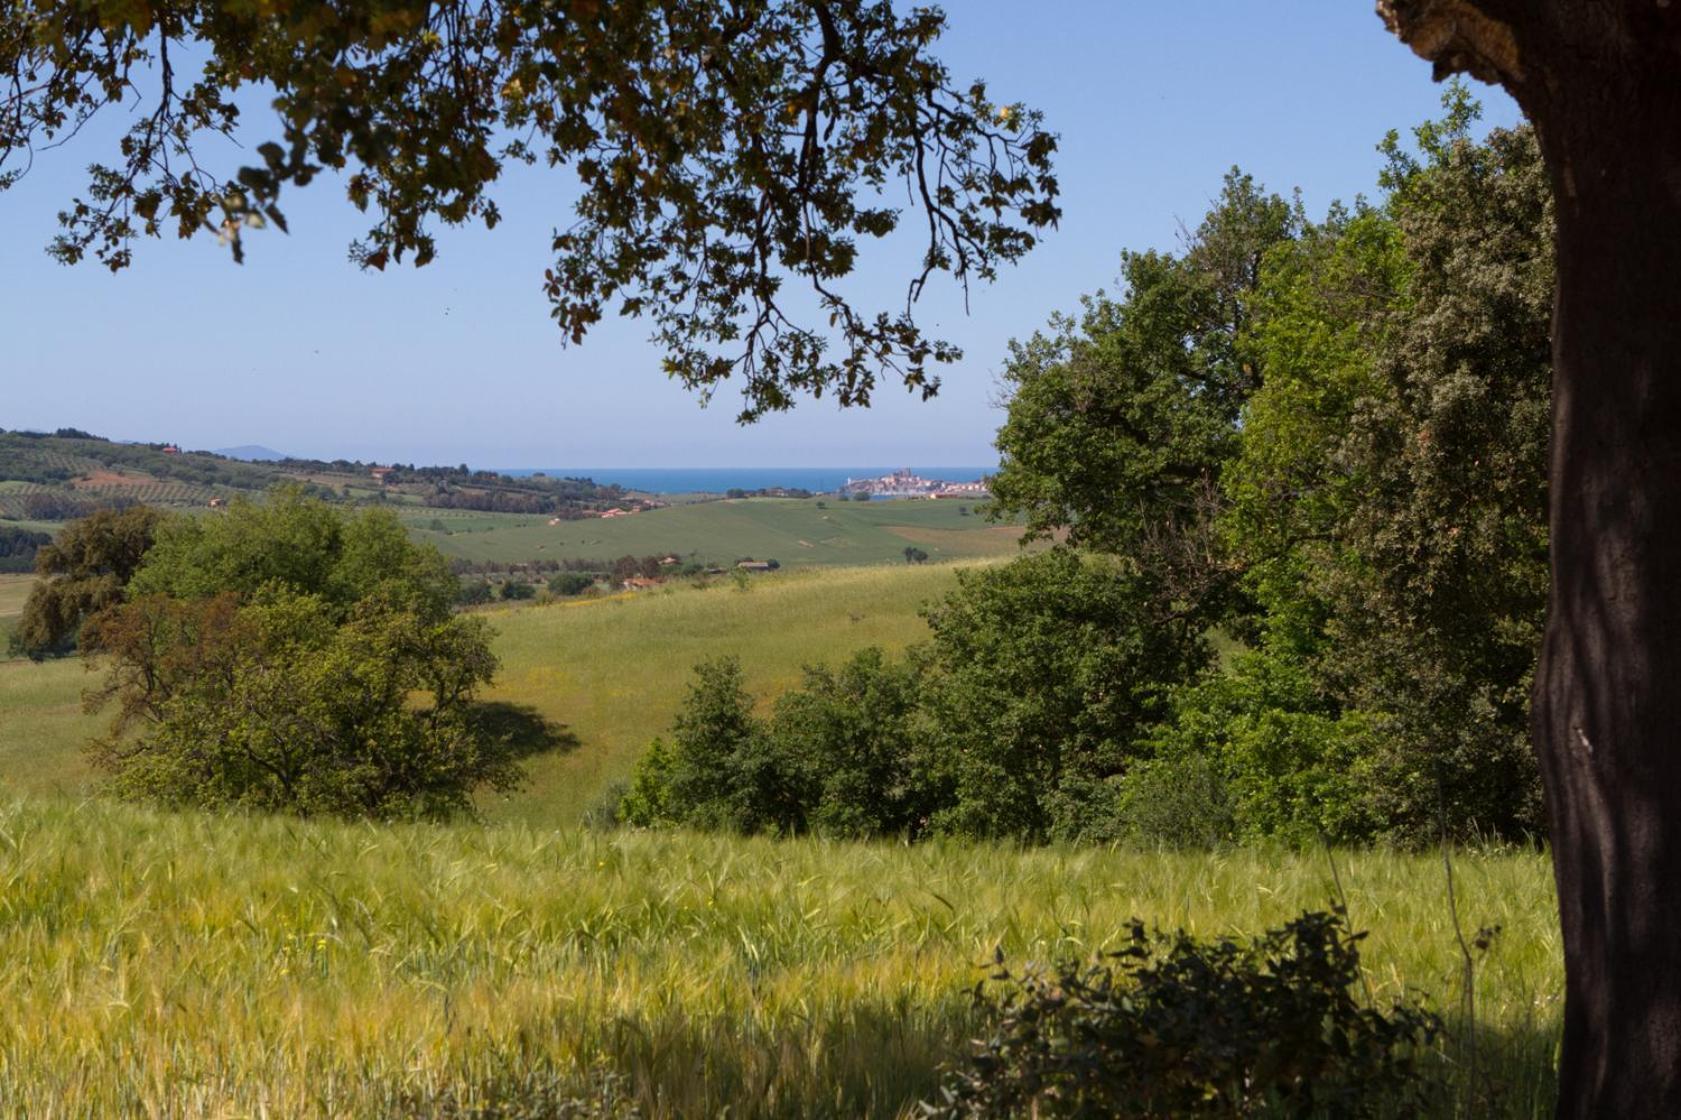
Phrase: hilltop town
x=903 y=483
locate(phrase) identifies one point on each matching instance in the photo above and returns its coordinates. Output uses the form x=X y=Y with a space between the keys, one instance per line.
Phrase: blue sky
x=299 y=350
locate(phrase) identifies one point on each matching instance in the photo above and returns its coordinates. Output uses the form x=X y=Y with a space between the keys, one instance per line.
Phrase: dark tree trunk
x=1608 y=690
x=1601 y=79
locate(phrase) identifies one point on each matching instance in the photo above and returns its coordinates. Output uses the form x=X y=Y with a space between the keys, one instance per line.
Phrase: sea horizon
x=717 y=480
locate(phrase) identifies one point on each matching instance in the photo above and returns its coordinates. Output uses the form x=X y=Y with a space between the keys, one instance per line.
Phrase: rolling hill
x=69 y=473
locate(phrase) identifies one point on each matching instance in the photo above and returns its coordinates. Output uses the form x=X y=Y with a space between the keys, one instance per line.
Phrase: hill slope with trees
x=69 y=473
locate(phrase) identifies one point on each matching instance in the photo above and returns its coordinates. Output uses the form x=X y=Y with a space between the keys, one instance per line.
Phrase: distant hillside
x=70 y=473
x=252 y=453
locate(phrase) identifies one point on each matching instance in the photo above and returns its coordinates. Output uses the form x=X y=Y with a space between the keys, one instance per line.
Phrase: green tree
x=1045 y=673
x=853 y=737
x=19 y=546
x=280 y=703
x=571 y=583
x=86 y=569
x=1121 y=422
x=719 y=770
x=1289 y=763
x=302 y=544
x=289 y=657
x=1388 y=501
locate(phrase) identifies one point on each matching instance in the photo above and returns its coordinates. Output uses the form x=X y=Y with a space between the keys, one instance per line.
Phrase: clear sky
x=300 y=351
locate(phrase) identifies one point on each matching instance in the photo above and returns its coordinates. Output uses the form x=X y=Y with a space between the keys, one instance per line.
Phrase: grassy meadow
x=195 y=965
x=793 y=531
x=14 y=589
x=609 y=673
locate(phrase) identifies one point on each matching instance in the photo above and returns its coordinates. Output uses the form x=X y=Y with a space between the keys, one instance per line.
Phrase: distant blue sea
x=716 y=480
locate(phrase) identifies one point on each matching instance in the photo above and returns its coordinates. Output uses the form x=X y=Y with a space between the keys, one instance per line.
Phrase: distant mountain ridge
x=252 y=453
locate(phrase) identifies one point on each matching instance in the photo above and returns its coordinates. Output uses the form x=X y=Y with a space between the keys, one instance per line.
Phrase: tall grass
x=190 y=965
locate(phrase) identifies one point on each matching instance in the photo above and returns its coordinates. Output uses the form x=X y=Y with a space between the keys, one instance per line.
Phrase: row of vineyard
x=35 y=502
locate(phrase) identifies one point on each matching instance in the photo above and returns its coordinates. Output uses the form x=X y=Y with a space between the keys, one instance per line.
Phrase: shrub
x=719 y=771
x=18 y=548
x=1179 y=802
x=837 y=757
x=518 y=589
x=1173 y=1027
x=571 y=583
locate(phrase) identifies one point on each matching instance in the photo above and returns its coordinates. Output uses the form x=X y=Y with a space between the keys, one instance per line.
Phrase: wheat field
x=196 y=965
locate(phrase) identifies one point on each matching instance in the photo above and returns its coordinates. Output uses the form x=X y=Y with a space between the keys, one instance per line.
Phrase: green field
x=14 y=589
x=611 y=671
x=794 y=532
x=193 y=965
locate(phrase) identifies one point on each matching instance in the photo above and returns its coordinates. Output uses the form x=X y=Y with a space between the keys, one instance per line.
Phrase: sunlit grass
x=794 y=532
x=182 y=965
x=612 y=671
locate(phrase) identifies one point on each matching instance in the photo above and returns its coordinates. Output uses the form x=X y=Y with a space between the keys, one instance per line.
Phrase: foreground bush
x=1175 y=1027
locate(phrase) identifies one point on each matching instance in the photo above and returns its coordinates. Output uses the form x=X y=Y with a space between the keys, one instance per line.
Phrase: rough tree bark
x=1601 y=80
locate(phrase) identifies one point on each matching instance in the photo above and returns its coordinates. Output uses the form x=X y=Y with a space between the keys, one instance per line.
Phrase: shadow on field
x=1506 y=1071
x=526 y=730
x=870 y=1061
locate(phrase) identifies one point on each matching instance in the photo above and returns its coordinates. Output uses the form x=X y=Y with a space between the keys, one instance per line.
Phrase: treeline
x=1296 y=473
x=513 y=501
x=18 y=548
x=738 y=492
x=486 y=581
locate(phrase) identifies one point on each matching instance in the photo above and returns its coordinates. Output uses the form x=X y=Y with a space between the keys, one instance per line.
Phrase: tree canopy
x=285 y=657
x=726 y=153
x=84 y=570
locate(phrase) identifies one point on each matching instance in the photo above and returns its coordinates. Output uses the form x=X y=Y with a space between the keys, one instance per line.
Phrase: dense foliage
x=1170 y=1026
x=1015 y=720
x=84 y=571
x=1315 y=445
x=1344 y=474
x=18 y=547
x=1046 y=671
x=286 y=657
